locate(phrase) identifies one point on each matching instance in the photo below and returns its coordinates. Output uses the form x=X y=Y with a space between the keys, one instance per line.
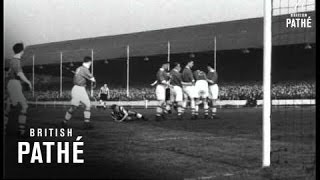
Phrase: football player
x=202 y=89
x=188 y=87
x=162 y=85
x=120 y=114
x=15 y=77
x=104 y=95
x=79 y=93
x=212 y=76
x=176 y=90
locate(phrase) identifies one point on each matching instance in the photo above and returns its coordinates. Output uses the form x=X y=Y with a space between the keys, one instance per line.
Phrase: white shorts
x=213 y=91
x=202 y=88
x=15 y=93
x=79 y=95
x=176 y=94
x=189 y=91
x=161 y=92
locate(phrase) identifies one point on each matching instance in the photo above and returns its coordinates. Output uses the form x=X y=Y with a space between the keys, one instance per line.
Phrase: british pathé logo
x=298 y=20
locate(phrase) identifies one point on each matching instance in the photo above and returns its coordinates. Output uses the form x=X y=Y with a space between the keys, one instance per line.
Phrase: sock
x=213 y=111
x=87 y=115
x=138 y=115
x=22 y=120
x=206 y=108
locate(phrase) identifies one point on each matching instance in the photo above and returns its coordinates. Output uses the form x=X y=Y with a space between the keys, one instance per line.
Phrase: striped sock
x=87 y=115
x=22 y=119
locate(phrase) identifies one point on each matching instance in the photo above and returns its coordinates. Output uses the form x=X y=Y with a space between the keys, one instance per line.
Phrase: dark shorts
x=104 y=97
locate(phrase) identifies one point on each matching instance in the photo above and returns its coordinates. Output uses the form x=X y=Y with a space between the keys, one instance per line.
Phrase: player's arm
x=17 y=68
x=100 y=92
x=113 y=116
x=163 y=80
x=186 y=83
x=89 y=76
x=154 y=83
x=190 y=74
x=124 y=116
x=210 y=81
x=108 y=91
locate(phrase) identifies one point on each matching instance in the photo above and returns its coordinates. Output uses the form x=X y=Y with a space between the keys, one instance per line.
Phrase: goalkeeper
x=120 y=114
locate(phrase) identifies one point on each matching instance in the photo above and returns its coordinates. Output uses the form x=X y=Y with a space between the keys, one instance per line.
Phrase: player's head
x=177 y=66
x=105 y=85
x=87 y=60
x=210 y=67
x=190 y=63
x=165 y=66
x=113 y=106
x=18 y=48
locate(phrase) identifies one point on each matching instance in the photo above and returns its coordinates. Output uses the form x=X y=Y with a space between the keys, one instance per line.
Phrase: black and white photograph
x=159 y=89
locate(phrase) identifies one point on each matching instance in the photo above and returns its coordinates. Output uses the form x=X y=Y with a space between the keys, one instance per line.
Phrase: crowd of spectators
x=227 y=91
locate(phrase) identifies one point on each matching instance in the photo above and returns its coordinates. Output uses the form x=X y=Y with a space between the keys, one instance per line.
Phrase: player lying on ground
x=120 y=114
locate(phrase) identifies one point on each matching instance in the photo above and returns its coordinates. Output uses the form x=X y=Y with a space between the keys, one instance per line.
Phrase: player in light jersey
x=120 y=114
x=202 y=90
x=104 y=95
x=79 y=93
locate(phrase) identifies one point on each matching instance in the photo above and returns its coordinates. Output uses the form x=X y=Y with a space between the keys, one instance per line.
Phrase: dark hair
x=211 y=65
x=17 y=48
x=175 y=64
x=190 y=60
x=113 y=106
x=87 y=59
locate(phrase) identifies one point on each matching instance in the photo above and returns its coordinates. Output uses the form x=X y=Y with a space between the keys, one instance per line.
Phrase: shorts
x=161 y=92
x=213 y=91
x=189 y=92
x=15 y=93
x=202 y=89
x=177 y=94
x=104 y=97
x=79 y=95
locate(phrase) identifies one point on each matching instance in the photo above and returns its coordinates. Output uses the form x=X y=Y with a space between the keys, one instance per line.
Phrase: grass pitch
x=225 y=148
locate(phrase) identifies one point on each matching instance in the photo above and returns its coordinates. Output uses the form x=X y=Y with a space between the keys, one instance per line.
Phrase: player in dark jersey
x=162 y=85
x=79 y=93
x=189 y=88
x=176 y=90
x=120 y=114
x=212 y=76
x=202 y=92
x=18 y=103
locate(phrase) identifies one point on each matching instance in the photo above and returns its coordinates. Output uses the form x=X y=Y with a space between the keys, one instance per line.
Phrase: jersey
x=176 y=78
x=14 y=69
x=104 y=90
x=200 y=75
x=187 y=75
x=118 y=112
x=162 y=75
x=213 y=76
x=81 y=76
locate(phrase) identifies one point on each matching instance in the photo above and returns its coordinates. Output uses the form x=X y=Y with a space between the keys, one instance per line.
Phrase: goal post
x=267 y=50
